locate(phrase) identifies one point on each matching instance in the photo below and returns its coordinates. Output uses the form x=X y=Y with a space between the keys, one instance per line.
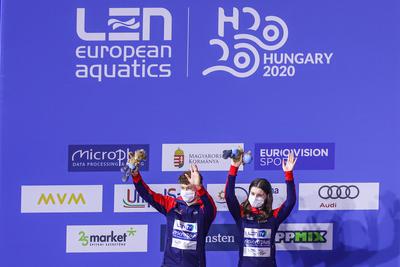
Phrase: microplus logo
x=131 y=45
x=311 y=156
x=106 y=238
x=254 y=45
x=102 y=157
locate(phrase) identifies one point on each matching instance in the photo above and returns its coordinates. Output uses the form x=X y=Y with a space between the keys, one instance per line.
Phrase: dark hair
x=183 y=180
x=266 y=208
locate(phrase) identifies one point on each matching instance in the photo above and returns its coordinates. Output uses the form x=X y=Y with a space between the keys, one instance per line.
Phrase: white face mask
x=187 y=195
x=256 y=202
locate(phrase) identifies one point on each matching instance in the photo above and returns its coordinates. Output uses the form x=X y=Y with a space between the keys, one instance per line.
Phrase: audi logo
x=338 y=192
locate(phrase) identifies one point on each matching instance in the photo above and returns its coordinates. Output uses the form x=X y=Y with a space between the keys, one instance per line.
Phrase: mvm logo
x=65 y=198
x=61 y=199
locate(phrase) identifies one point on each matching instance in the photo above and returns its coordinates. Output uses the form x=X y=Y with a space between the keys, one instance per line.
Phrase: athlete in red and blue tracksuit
x=187 y=225
x=257 y=238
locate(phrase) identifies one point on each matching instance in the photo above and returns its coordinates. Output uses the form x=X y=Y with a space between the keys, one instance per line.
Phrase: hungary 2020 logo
x=255 y=46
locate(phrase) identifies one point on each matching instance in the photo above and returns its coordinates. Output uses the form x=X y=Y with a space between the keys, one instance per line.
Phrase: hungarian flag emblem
x=179 y=158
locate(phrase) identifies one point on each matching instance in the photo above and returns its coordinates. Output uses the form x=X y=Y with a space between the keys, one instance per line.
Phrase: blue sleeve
x=284 y=210
x=208 y=205
x=230 y=196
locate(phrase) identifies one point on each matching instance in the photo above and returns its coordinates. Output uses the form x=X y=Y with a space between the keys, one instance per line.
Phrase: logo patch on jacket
x=184 y=235
x=257 y=242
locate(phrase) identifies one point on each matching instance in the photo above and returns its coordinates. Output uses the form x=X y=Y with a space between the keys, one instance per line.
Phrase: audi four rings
x=336 y=192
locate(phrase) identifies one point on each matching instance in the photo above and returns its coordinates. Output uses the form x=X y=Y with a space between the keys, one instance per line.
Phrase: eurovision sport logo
x=127 y=199
x=83 y=158
x=208 y=157
x=311 y=156
x=338 y=196
x=217 y=192
x=290 y=236
x=106 y=238
x=249 y=41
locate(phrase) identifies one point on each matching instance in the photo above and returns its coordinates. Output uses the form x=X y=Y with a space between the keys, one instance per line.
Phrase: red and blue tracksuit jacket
x=257 y=239
x=187 y=226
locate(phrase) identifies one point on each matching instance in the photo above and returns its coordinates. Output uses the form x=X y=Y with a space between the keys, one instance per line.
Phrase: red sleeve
x=158 y=201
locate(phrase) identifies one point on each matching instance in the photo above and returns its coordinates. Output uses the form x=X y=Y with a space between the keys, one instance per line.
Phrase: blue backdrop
x=52 y=97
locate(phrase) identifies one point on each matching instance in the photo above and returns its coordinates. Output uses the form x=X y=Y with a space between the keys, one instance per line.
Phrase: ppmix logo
x=127 y=199
x=102 y=157
x=290 y=236
x=106 y=238
x=339 y=196
x=208 y=157
x=254 y=45
x=61 y=198
x=311 y=156
x=131 y=43
x=304 y=236
x=217 y=192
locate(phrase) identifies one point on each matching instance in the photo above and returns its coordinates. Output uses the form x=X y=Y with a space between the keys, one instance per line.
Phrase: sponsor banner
x=106 y=238
x=83 y=158
x=311 y=156
x=208 y=157
x=338 y=196
x=220 y=237
x=290 y=236
x=61 y=198
x=304 y=236
x=127 y=199
x=217 y=192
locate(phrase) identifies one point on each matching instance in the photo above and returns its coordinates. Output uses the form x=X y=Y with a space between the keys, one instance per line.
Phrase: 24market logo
x=106 y=240
x=255 y=45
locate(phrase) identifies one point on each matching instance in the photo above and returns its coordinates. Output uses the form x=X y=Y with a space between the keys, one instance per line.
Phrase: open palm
x=194 y=178
x=288 y=165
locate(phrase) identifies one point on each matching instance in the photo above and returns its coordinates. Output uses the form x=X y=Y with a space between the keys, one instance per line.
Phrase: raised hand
x=289 y=164
x=135 y=172
x=237 y=162
x=194 y=178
